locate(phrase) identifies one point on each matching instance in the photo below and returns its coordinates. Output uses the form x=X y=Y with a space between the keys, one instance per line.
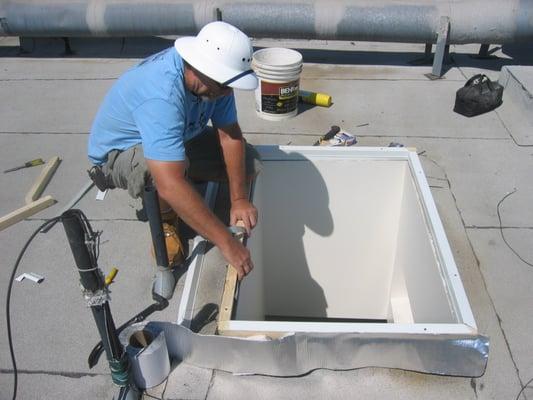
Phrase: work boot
x=173 y=243
x=174 y=247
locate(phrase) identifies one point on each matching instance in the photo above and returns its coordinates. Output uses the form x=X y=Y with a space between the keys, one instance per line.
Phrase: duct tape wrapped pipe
x=147 y=351
x=299 y=353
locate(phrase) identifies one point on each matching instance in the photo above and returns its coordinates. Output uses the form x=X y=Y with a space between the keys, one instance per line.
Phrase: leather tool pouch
x=100 y=179
x=478 y=96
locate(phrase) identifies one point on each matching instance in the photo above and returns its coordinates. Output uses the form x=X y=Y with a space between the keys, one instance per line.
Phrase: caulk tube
x=319 y=99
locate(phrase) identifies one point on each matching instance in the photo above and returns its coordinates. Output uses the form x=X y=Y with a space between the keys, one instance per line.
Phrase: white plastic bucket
x=278 y=71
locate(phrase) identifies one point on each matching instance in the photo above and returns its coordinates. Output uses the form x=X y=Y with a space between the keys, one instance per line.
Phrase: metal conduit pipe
x=415 y=21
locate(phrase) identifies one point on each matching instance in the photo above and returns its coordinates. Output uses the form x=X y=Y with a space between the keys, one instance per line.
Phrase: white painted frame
x=186 y=308
x=456 y=294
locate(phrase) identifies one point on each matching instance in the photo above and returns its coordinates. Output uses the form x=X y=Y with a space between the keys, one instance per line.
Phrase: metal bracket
x=427 y=51
x=4 y=27
x=426 y=59
x=485 y=53
x=98 y=298
x=441 y=50
x=484 y=50
x=32 y=276
x=26 y=44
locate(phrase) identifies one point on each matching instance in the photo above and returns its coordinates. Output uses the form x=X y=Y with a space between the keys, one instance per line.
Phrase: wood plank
x=226 y=305
x=43 y=179
x=224 y=330
x=228 y=295
x=26 y=211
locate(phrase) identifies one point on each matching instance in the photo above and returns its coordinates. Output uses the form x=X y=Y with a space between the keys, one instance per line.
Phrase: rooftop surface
x=49 y=100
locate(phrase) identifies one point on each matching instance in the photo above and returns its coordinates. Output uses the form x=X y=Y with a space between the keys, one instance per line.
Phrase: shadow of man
x=293 y=202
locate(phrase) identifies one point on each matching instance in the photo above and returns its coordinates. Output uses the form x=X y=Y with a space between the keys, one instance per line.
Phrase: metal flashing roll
x=148 y=354
x=299 y=353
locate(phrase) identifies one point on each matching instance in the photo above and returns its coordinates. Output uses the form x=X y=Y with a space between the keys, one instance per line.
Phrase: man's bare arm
x=173 y=187
x=233 y=150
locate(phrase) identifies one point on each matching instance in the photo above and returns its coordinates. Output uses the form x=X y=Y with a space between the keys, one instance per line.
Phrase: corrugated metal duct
x=416 y=21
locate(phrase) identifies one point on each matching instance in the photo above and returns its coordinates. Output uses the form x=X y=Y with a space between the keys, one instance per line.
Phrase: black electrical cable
x=8 y=300
x=118 y=362
x=501 y=229
x=92 y=239
x=109 y=345
x=519 y=256
x=523 y=388
x=92 y=242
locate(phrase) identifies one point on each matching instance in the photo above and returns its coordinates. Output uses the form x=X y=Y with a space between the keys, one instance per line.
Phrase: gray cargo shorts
x=128 y=170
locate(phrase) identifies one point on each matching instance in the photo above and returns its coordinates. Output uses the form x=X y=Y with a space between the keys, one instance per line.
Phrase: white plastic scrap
x=31 y=276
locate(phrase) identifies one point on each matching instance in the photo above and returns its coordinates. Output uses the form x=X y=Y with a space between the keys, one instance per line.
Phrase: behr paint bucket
x=278 y=71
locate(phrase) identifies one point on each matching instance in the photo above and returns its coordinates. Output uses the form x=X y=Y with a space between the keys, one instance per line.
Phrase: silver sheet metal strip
x=299 y=353
x=150 y=365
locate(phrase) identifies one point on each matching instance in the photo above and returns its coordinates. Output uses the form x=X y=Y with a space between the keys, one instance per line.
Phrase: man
x=152 y=125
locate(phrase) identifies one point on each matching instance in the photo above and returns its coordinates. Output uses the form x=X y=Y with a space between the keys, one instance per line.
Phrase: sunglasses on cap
x=225 y=85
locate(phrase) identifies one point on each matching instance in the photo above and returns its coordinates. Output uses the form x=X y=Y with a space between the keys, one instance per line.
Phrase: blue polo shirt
x=149 y=104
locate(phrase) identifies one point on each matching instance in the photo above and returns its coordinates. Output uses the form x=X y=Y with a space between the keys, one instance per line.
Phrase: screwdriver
x=329 y=135
x=111 y=276
x=28 y=164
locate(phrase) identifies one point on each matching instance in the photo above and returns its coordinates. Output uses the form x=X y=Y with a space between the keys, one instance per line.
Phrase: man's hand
x=237 y=256
x=185 y=200
x=243 y=210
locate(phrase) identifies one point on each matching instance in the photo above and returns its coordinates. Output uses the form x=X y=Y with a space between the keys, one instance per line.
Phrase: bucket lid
x=279 y=71
x=277 y=58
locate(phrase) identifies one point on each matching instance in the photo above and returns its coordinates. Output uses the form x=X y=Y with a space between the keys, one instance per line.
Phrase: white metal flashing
x=344 y=327
x=449 y=269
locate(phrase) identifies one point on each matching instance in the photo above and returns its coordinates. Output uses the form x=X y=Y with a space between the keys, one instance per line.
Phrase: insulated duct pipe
x=84 y=245
x=415 y=21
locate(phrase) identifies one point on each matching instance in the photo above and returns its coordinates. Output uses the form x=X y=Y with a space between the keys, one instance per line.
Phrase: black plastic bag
x=478 y=96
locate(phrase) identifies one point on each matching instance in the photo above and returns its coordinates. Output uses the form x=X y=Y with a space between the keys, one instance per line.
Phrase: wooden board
x=43 y=179
x=226 y=305
x=26 y=211
x=228 y=296
x=223 y=330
